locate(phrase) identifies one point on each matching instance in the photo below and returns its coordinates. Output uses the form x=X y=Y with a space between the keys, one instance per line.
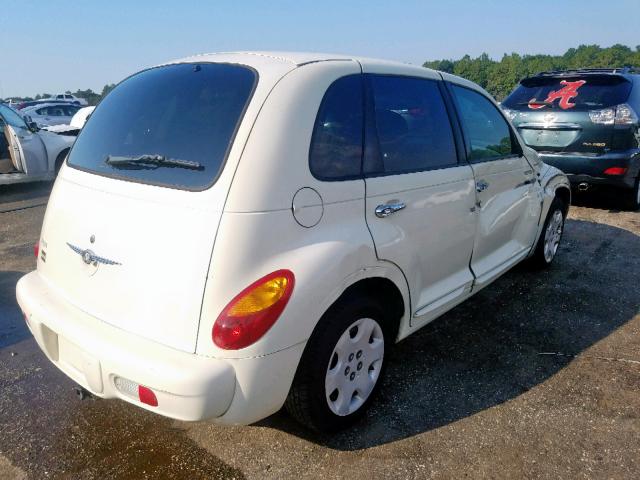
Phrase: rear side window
x=486 y=131
x=336 y=143
x=569 y=93
x=412 y=125
x=184 y=114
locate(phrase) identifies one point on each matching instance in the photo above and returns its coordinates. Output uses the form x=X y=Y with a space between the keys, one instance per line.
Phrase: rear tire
x=550 y=236
x=342 y=365
x=632 y=200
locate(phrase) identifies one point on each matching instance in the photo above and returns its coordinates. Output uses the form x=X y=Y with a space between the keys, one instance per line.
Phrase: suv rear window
x=186 y=114
x=586 y=92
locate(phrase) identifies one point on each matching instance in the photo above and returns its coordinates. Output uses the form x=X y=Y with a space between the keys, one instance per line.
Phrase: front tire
x=551 y=234
x=341 y=367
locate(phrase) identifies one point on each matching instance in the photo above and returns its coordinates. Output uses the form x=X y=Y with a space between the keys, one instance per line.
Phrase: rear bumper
x=187 y=386
x=590 y=169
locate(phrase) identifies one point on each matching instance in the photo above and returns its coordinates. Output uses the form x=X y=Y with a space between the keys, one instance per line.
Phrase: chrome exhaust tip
x=583 y=187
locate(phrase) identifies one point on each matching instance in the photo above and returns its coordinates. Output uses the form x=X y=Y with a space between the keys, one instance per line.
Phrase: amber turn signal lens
x=253 y=311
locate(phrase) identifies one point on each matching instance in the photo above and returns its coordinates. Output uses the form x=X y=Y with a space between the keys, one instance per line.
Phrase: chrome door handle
x=481 y=186
x=386 y=210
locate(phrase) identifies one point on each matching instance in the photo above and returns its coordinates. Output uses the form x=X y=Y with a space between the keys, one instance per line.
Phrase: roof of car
x=48 y=104
x=276 y=60
x=627 y=72
x=293 y=58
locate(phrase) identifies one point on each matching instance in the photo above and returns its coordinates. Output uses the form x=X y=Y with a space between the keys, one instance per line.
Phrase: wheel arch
x=60 y=159
x=384 y=281
x=564 y=194
x=382 y=289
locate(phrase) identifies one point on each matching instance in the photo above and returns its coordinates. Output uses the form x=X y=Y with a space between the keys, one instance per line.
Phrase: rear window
x=170 y=126
x=585 y=92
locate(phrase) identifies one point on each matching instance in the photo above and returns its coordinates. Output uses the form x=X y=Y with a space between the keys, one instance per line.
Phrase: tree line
x=500 y=77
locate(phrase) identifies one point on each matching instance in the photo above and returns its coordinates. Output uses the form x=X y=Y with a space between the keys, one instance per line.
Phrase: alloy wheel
x=552 y=236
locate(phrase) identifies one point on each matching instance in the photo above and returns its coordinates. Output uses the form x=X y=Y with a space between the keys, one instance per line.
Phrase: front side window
x=170 y=126
x=54 y=111
x=412 y=125
x=486 y=131
x=336 y=143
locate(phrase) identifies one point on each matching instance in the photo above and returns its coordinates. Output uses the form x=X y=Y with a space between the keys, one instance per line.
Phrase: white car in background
x=67 y=97
x=236 y=232
x=48 y=114
x=75 y=125
x=28 y=154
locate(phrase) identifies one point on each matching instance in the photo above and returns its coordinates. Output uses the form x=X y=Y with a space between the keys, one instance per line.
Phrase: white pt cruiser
x=232 y=233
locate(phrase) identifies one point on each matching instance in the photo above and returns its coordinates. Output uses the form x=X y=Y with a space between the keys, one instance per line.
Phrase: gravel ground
x=537 y=376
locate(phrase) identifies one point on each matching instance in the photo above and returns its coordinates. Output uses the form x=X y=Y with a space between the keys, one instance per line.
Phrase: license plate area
x=549 y=138
x=79 y=365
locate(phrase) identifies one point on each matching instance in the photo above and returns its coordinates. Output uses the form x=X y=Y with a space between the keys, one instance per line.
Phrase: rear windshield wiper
x=548 y=104
x=589 y=104
x=153 y=160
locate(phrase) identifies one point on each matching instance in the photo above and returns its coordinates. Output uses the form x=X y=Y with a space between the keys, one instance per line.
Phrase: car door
x=507 y=190
x=28 y=152
x=419 y=198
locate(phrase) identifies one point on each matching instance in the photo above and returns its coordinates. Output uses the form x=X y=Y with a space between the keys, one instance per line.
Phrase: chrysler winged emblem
x=89 y=257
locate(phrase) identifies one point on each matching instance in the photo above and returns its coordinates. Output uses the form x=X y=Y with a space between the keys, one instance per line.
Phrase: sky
x=58 y=45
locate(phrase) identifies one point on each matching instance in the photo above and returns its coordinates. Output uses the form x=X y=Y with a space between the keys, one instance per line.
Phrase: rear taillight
x=36 y=250
x=253 y=311
x=615 y=171
x=619 y=115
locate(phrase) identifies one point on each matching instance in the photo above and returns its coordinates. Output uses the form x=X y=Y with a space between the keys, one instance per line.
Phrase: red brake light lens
x=36 y=250
x=253 y=311
x=147 y=396
x=615 y=171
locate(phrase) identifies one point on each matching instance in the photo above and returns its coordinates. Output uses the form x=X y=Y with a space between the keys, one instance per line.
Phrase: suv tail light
x=619 y=115
x=253 y=311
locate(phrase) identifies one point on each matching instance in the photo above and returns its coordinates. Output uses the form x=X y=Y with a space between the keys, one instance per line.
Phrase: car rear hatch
x=567 y=113
x=130 y=225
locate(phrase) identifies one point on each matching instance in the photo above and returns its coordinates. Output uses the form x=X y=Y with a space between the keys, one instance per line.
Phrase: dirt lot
x=538 y=376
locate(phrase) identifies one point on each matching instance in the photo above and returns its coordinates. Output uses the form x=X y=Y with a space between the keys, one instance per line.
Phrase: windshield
x=586 y=92
x=183 y=111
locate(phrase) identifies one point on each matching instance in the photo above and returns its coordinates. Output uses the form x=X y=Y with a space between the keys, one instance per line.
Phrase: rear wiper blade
x=589 y=104
x=535 y=102
x=156 y=160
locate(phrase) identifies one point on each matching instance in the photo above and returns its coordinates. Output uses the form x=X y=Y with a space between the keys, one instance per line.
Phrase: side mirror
x=31 y=125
